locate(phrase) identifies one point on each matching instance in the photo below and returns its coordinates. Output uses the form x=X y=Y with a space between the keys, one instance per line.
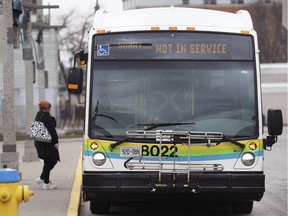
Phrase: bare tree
x=272 y=35
x=74 y=36
x=71 y=39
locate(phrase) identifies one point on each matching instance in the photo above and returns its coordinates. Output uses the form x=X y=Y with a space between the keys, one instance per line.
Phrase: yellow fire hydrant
x=11 y=193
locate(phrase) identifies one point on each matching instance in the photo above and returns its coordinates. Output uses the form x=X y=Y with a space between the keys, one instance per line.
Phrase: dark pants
x=47 y=167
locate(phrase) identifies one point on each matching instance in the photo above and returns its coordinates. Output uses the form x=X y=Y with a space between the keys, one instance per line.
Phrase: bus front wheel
x=99 y=207
x=242 y=207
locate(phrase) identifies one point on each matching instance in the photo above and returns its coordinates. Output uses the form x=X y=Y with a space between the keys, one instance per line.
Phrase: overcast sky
x=80 y=6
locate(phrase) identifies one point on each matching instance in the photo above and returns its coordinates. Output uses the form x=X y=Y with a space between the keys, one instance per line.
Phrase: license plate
x=130 y=151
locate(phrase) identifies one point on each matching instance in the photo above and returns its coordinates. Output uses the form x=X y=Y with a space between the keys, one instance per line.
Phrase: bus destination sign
x=174 y=48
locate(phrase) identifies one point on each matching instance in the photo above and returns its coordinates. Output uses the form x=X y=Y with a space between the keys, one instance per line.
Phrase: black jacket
x=47 y=150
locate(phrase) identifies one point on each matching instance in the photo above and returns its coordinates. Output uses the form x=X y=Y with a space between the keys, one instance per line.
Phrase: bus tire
x=99 y=207
x=242 y=207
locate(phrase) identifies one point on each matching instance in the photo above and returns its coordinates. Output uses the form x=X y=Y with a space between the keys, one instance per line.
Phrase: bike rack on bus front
x=209 y=138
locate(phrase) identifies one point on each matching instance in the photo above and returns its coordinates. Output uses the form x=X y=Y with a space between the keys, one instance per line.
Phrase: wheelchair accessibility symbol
x=103 y=50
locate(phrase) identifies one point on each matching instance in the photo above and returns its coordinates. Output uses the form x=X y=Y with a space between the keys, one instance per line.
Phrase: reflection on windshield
x=214 y=96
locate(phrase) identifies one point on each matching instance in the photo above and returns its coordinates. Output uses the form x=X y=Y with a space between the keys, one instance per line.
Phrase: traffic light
x=17 y=11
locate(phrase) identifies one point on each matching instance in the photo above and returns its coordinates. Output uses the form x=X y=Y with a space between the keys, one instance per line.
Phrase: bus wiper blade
x=96 y=127
x=152 y=126
x=226 y=139
x=95 y=114
x=114 y=145
x=109 y=117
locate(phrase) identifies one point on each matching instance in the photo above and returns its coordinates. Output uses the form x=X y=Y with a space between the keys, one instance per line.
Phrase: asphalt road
x=273 y=203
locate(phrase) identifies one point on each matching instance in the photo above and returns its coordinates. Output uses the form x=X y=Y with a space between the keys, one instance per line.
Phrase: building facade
x=51 y=66
x=134 y=4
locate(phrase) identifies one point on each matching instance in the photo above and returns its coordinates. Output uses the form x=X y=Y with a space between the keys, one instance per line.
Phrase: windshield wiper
x=95 y=114
x=96 y=127
x=119 y=142
x=226 y=139
x=180 y=133
x=152 y=126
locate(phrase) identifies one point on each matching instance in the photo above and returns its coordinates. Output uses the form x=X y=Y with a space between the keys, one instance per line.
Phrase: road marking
x=75 y=195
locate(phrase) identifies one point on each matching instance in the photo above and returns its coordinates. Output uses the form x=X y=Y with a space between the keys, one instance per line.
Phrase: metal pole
x=29 y=149
x=9 y=157
x=284 y=13
x=40 y=63
x=96 y=6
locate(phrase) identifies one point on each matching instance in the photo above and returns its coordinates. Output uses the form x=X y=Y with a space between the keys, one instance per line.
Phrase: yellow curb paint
x=75 y=196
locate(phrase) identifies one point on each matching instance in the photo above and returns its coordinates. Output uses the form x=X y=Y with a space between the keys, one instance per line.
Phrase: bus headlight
x=248 y=159
x=99 y=158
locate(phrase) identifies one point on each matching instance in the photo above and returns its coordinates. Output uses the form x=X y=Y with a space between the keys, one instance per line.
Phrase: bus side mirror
x=75 y=80
x=275 y=127
x=275 y=122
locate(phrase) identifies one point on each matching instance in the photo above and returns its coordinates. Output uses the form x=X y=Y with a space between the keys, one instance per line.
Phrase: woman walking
x=48 y=152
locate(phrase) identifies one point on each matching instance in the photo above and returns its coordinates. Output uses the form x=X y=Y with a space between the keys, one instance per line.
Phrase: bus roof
x=165 y=17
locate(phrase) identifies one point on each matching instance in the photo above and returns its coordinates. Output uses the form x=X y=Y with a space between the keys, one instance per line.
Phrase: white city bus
x=173 y=108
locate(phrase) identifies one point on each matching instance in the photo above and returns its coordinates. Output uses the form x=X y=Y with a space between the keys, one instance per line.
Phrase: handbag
x=39 y=132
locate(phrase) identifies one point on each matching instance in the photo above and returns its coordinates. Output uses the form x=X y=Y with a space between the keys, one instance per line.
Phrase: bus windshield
x=169 y=92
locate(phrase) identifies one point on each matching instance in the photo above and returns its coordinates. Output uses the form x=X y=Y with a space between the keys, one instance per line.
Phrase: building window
x=237 y=1
x=185 y=2
x=210 y=1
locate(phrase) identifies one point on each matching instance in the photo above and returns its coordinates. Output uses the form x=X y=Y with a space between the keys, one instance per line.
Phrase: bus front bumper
x=115 y=186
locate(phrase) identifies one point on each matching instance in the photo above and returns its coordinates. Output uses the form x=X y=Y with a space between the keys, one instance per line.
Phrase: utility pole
x=9 y=156
x=29 y=150
x=3 y=35
x=40 y=61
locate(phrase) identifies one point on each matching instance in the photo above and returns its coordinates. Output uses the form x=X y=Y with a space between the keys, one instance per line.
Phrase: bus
x=173 y=108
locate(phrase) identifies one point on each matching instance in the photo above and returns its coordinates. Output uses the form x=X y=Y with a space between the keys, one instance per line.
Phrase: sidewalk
x=51 y=202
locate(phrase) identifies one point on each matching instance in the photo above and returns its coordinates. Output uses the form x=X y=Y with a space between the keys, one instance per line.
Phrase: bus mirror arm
x=269 y=142
x=81 y=58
